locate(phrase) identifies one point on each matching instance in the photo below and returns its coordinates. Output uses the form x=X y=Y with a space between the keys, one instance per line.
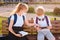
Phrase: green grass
x=1 y=18
x=53 y=18
x=49 y=13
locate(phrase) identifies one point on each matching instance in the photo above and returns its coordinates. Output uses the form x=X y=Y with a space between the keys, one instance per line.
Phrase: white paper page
x=23 y=33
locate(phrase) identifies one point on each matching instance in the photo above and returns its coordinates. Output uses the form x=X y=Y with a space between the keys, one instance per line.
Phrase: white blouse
x=20 y=21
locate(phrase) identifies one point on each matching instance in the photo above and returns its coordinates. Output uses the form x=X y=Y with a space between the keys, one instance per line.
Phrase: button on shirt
x=19 y=21
x=42 y=23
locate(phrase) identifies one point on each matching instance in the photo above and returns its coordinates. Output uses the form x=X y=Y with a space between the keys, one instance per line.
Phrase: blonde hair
x=39 y=7
x=19 y=7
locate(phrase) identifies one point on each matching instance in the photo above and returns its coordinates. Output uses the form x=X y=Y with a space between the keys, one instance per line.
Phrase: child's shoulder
x=34 y=18
x=46 y=16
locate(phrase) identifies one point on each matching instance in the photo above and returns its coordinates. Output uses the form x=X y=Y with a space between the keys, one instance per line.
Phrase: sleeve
x=49 y=22
x=34 y=21
x=12 y=17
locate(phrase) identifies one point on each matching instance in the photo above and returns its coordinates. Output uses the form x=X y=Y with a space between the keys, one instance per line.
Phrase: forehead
x=39 y=9
x=24 y=7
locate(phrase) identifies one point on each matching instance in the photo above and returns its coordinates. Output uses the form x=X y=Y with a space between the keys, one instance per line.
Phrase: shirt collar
x=18 y=15
x=42 y=16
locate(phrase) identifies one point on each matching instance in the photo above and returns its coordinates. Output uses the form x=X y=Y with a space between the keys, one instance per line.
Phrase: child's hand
x=38 y=28
x=18 y=35
x=49 y=27
x=37 y=25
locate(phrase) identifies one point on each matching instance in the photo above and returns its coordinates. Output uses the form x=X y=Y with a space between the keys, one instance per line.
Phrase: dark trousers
x=2 y=38
x=13 y=37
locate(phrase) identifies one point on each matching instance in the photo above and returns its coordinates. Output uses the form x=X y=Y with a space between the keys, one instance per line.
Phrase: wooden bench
x=32 y=32
x=56 y=26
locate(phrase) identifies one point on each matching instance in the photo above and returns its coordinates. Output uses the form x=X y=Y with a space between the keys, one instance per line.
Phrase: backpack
x=15 y=19
x=46 y=20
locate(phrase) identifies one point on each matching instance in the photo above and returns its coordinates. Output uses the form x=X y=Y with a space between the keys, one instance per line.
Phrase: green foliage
x=31 y=9
x=1 y=18
x=49 y=13
x=56 y=11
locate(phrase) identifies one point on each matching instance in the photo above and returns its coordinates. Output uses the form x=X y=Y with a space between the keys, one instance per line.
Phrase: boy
x=44 y=24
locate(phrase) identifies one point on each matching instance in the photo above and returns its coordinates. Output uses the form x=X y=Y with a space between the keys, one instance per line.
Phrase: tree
x=56 y=11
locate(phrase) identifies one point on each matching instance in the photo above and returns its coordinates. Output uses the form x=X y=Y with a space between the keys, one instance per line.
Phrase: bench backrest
x=31 y=30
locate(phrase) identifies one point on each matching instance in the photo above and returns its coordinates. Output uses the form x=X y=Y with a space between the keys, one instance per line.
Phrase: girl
x=17 y=20
x=44 y=24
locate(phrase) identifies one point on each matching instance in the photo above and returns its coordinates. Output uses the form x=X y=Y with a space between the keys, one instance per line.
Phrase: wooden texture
x=32 y=32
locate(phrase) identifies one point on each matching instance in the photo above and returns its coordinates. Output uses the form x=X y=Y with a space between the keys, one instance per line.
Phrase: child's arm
x=29 y=24
x=37 y=27
x=50 y=25
x=11 y=30
x=11 y=25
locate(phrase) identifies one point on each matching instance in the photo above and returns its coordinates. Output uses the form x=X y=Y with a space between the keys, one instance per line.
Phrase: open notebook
x=23 y=33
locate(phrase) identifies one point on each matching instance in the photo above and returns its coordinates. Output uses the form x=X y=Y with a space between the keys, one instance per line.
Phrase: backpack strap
x=23 y=18
x=9 y=20
x=47 y=20
x=36 y=20
x=15 y=18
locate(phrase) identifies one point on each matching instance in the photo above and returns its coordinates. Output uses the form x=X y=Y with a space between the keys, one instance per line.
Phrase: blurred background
x=52 y=9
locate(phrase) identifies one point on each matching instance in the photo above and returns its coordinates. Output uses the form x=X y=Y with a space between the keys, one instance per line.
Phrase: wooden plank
x=5 y=21
x=5 y=25
x=56 y=26
x=55 y=31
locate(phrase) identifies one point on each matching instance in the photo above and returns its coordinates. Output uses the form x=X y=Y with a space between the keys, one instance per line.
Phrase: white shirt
x=42 y=23
x=19 y=21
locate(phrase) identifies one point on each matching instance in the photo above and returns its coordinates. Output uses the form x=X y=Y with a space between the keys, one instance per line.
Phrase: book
x=23 y=33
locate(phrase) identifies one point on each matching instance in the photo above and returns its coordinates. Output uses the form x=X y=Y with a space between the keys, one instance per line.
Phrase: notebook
x=23 y=33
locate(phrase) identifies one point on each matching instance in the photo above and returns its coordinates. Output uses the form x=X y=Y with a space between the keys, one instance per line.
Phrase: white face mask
x=42 y=16
x=39 y=7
